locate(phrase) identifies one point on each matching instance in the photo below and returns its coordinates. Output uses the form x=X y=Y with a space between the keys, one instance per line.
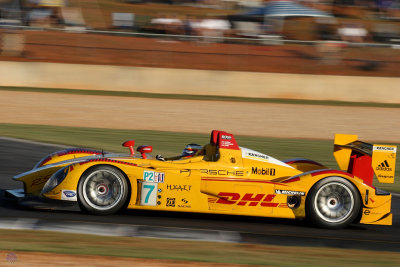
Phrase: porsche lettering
x=222 y=172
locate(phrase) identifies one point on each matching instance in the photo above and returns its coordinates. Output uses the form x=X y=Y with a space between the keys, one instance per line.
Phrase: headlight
x=55 y=179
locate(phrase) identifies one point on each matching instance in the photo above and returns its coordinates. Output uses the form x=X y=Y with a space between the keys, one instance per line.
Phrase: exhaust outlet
x=293 y=201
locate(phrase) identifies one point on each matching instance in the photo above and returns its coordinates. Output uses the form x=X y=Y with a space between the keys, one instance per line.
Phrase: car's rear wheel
x=333 y=203
x=102 y=190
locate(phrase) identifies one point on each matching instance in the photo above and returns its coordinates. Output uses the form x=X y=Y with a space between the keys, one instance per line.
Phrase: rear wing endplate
x=363 y=159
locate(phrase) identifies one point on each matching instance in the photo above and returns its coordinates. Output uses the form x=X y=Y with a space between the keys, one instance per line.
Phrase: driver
x=189 y=151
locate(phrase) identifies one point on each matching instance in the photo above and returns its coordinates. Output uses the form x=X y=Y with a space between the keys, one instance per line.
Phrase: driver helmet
x=190 y=150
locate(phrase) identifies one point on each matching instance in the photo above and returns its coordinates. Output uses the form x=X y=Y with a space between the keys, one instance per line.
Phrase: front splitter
x=37 y=202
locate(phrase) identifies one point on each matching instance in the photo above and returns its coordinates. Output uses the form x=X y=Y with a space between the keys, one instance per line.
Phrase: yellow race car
x=222 y=178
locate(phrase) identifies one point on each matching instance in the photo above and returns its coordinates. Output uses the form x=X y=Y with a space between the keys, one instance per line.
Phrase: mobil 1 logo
x=263 y=171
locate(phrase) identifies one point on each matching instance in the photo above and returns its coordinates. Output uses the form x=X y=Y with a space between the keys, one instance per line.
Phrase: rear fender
x=307 y=180
x=376 y=208
x=304 y=165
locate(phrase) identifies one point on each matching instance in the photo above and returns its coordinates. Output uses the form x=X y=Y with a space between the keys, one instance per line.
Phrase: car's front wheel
x=333 y=203
x=102 y=190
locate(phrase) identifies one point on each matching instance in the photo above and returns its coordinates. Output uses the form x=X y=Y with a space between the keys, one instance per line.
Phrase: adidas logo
x=384 y=166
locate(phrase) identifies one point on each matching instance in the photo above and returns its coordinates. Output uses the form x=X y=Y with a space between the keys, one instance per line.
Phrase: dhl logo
x=264 y=200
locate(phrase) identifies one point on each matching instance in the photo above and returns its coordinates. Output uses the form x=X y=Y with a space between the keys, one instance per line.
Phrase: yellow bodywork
x=240 y=182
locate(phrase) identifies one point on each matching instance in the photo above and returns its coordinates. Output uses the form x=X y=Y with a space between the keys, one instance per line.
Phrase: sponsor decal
x=40 y=180
x=392 y=149
x=289 y=192
x=386 y=176
x=184 y=203
x=226 y=137
x=263 y=171
x=179 y=187
x=227 y=141
x=170 y=202
x=222 y=172
x=152 y=176
x=226 y=144
x=249 y=199
x=69 y=195
x=384 y=162
x=384 y=166
x=257 y=155
x=159 y=177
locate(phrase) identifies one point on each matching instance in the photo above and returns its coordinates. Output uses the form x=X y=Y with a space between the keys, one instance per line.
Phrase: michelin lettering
x=289 y=192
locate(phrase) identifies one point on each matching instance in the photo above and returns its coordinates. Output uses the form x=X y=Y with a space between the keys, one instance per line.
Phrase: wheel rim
x=334 y=202
x=103 y=189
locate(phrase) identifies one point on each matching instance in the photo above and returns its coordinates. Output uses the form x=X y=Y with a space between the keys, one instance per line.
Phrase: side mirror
x=130 y=144
x=144 y=150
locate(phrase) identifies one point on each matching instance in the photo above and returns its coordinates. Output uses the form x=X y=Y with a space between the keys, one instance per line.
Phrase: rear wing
x=363 y=160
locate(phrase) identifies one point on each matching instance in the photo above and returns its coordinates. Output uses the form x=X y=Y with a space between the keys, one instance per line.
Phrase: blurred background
x=341 y=37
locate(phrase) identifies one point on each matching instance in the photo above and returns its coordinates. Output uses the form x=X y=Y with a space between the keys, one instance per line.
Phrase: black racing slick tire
x=102 y=190
x=333 y=203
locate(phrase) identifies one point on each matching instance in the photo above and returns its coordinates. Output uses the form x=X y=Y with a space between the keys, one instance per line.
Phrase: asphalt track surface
x=19 y=156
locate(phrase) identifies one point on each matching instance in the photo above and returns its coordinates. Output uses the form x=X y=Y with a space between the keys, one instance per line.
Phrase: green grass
x=172 y=143
x=228 y=253
x=198 y=97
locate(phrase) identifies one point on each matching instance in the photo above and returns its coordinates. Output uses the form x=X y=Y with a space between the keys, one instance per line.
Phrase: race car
x=221 y=178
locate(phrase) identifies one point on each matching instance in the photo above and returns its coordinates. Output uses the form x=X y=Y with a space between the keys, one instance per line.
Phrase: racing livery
x=222 y=178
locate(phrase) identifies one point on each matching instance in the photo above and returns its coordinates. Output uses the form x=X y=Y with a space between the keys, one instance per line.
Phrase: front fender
x=66 y=154
x=76 y=170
